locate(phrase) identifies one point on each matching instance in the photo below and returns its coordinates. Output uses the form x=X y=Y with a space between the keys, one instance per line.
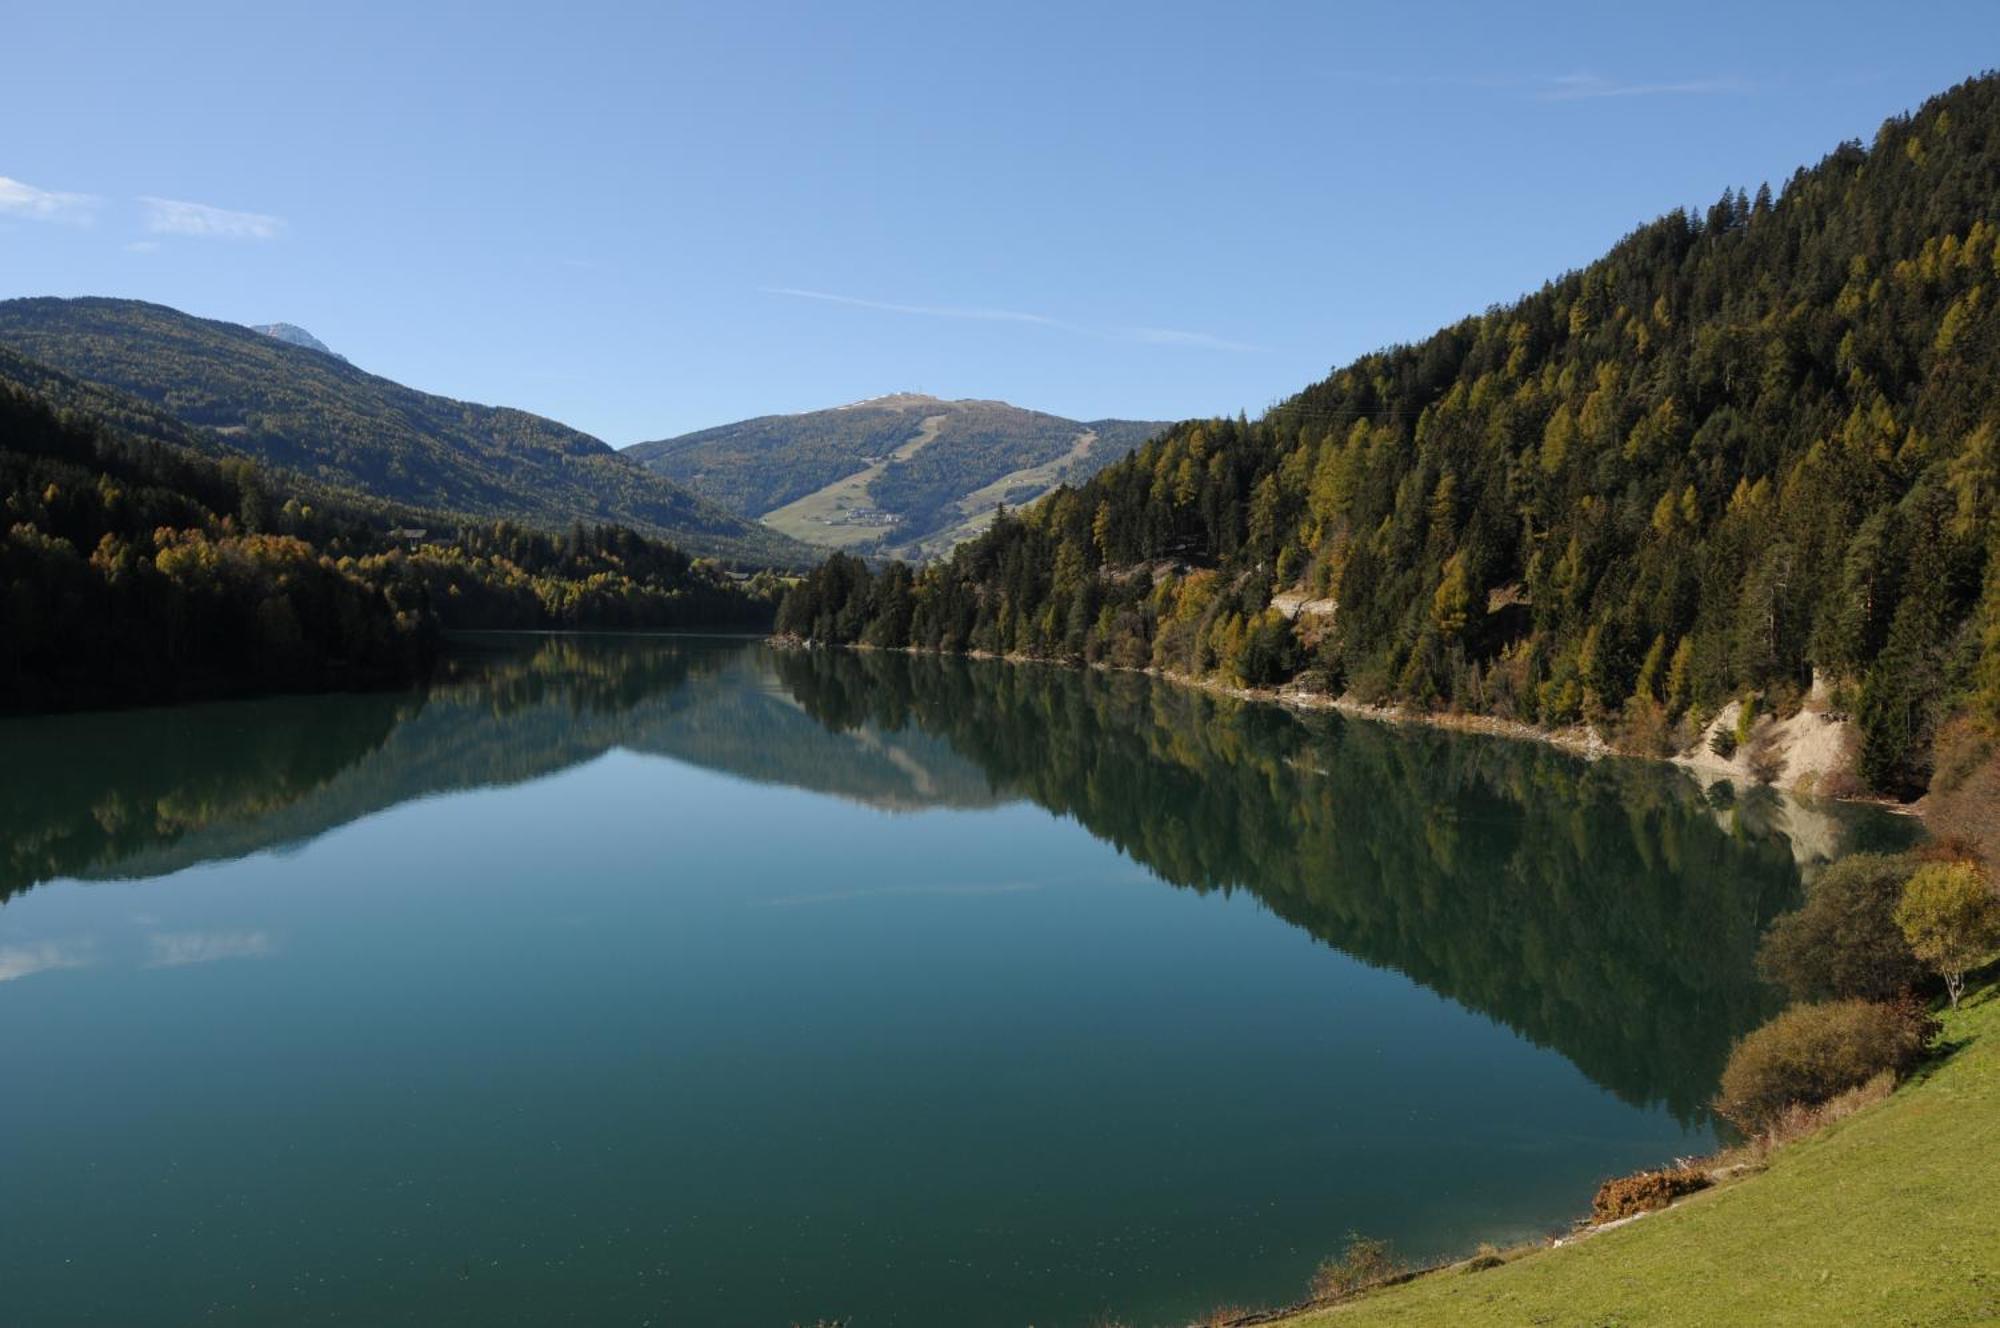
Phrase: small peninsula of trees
x=1750 y=446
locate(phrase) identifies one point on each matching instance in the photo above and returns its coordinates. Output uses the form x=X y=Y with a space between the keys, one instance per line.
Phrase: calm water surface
x=681 y=982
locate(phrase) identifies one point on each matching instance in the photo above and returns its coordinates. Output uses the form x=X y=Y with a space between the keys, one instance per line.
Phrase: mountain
x=1746 y=450
x=294 y=335
x=146 y=560
x=321 y=417
x=908 y=474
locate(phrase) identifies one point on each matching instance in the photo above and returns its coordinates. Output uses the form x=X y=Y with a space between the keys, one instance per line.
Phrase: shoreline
x=1577 y=739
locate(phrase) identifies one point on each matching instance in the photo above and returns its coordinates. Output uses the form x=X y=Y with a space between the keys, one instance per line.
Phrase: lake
x=682 y=981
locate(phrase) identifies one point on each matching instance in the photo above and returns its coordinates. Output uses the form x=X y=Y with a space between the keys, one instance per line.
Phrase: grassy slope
x=811 y=518
x=1889 y=1217
x=794 y=471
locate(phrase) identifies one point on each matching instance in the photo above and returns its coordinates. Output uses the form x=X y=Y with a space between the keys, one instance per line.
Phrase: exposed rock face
x=1295 y=604
x=1807 y=752
x=294 y=335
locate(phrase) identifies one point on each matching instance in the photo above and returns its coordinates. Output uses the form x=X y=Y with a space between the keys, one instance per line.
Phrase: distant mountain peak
x=294 y=335
x=890 y=401
x=906 y=474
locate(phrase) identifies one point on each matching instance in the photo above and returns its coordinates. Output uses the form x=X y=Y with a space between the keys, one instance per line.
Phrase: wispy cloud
x=1168 y=336
x=169 y=216
x=142 y=247
x=1583 y=87
x=20 y=961
x=1152 y=336
x=18 y=199
x=173 y=949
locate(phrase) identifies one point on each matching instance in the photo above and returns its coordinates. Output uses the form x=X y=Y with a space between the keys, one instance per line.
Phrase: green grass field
x=1891 y=1216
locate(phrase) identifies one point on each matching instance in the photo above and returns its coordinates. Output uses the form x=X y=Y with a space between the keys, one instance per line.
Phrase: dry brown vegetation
x=1645 y=1191
x=1799 y=1120
x=1963 y=807
x=1812 y=1054
x=1365 y=1263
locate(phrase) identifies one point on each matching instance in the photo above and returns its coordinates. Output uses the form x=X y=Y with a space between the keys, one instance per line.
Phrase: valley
x=1486 y=811
x=252 y=394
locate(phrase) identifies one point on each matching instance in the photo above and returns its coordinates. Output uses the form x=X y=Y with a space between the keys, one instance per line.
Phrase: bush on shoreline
x=1844 y=942
x=1365 y=1263
x=1813 y=1053
x=1645 y=1191
x=1950 y=915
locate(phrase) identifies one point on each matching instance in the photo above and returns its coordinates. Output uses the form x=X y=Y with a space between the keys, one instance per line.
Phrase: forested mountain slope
x=1745 y=446
x=312 y=412
x=907 y=474
x=142 y=560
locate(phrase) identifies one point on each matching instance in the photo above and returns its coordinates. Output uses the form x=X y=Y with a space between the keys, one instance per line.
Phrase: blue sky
x=648 y=219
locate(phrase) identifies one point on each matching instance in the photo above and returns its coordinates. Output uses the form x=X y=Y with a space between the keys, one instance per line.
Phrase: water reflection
x=1609 y=910
x=142 y=793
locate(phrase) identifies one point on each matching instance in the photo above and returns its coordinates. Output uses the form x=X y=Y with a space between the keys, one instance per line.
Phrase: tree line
x=134 y=570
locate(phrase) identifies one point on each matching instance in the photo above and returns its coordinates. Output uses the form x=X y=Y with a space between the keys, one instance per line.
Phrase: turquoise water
x=681 y=982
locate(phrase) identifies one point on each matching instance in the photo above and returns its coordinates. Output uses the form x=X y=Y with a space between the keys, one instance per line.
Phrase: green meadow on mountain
x=309 y=411
x=905 y=474
x=1748 y=448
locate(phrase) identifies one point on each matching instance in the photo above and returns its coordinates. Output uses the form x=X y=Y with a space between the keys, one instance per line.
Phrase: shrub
x=1767 y=763
x=1488 y=1256
x=1951 y=917
x=1723 y=743
x=1269 y=652
x=1746 y=720
x=1798 y=1120
x=1644 y=1191
x=1963 y=745
x=1811 y=1053
x=1645 y=730
x=1844 y=941
x=1366 y=1263
x=1968 y=812
x=1229 y=1317
x=1840 y=782
x=1945 y=848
